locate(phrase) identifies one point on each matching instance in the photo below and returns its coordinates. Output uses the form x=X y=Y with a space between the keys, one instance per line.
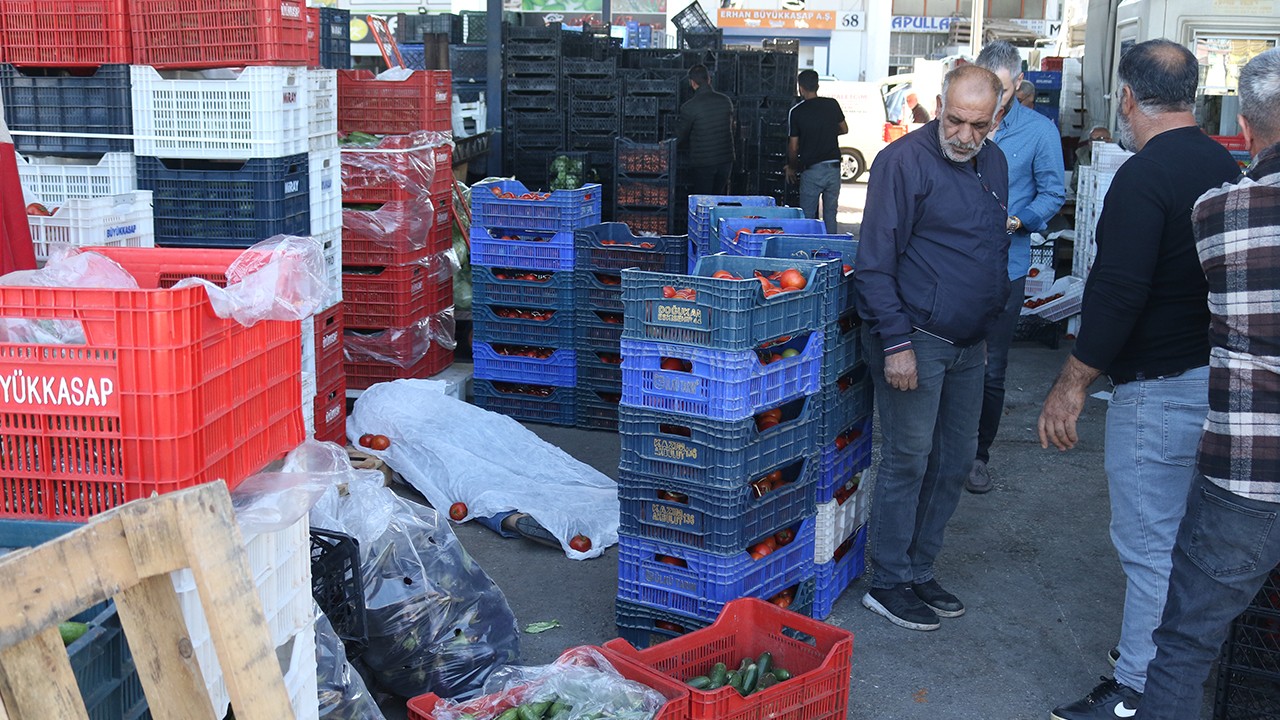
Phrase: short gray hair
x=1000 y=55
x=1260 y=95
x=973 y=73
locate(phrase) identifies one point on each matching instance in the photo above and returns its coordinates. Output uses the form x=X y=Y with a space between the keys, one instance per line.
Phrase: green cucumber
x=765 y=662
x=749 y=679
x=702 y=682
x=512 y=714
x=781 y=674
x=719 y=676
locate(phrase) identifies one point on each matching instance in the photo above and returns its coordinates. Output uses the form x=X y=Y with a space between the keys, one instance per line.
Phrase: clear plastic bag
x=452 y=451
x=401 y=225
x=405 y=161
x=436 y=622
x=280 y=278
x=342 y=692
x=67 y=267
x=271 y=501
x=581 y=684
x=402 y=347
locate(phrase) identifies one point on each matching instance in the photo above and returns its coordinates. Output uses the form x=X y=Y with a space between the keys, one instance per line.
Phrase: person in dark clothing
x=813 y=150
x=706 y=128
x=919 y=114
x=932 y=278
x=1145 y=325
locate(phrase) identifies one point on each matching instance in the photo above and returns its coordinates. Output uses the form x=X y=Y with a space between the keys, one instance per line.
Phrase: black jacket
x=706 y=128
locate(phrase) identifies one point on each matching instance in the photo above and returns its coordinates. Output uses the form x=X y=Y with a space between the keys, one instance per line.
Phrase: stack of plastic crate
x=522 y=261
x=65 y=91
x=644 y=198
x=532 y=103
x=844 y=435
x=329 y=37
x=701 y=223
x=719 y=423
x=397 y=220
x=1249 y=668
x=602 y=252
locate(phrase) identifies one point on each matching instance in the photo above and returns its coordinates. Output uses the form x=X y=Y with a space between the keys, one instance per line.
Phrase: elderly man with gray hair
x=1229 y=540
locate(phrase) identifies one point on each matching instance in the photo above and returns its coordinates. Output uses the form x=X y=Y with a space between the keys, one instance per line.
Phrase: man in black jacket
x=706 y=126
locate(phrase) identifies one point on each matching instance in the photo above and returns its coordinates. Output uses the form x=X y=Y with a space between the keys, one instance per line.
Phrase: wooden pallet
x=127 y=554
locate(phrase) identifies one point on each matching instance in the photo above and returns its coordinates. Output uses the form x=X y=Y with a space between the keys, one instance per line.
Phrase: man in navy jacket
x=931 y=280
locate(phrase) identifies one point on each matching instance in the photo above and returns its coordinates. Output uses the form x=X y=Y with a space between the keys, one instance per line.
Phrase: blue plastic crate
x=715 y=453
x=104 y=669
x=1045 y=80
x=610 y=247
x=700 y=207
x=546 y=289
x=844 y=406
x=838 y=466
x=595 y=327
x=557 y=407
x=99 y=104
x=234 y=204
x=747 y=236
x=710 y=580
x=559 y=370
x=715 y=519
x=645 y=626
x=530 y=250
x=598 y=407
x=843 y=341
x=713 y=242
x=562 y=210
x=838 y=250
x=595 y=367
x=469 y=64
x=726 y=314
x=598 y=290
x=834 y=577
x=719 y=384
x=335 y=38
x=555 y=331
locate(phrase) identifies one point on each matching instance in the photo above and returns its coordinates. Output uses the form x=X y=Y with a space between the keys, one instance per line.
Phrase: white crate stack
x=1071 y=113
x=1094 y=181
x=324 y=162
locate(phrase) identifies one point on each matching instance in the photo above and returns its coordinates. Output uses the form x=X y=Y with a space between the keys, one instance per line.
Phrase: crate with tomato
x=599 y=328
x=518 y=286
x=509 y=204
x=504 y=246
x=847 y=564
x=700 y=224
x=391 y=233
x=378 y=169
x=363 y=373
x=527 y=402
x=840 y=251
x=844 y=458
x=645 y=626
x=845 y=402
x=608 y=248
x=397 y=295
x=600 y=367
x=598 y=407
x=523 y=325
x=715 y=241
x=748 y=235
x=538 y=365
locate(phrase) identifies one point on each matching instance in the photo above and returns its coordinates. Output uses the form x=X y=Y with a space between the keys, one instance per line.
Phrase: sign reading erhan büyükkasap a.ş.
x=776 y=19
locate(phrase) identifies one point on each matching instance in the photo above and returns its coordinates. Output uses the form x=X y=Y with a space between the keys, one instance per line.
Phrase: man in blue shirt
x=1036 y=192
x=931 y=279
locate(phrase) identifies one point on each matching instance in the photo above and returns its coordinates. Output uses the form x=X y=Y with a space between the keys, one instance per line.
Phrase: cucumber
x=749 y=679
x=781 y=674
x=719 y=676
x=765 y=662
x=512 y=714
x=734 y=680
x=702 y=682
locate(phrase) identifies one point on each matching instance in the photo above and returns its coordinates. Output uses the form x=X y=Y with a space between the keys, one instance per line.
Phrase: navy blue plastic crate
x=720 y=384
x=598 y=407
x=834 y=577
x=843 y=340
x=700 y=207
x=708 y=580
x=492 y=363
x=520 y=287
x=335 y=38
x=600 y=368
x=104 y=669
x=38 y=100
x=726 y=314
x=840 y=250
x=598 y=290
x=723 y=212
x=747 y=236
x=548 y=405
x=414 y=56
x=838 y=465
x=645 y=626
x=599 y=326
x=469 y=64
x=1044 y=80
x=713 y=519
x=232 y=204
x=553 y=327
x=845 y=402
x=562 y=210
x=715 y=453
x=527 y=249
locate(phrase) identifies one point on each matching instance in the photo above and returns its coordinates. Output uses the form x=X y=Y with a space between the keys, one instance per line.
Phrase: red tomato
x=723 y=275
x=669 y=363
x=760 y=550
x=580 y=543
x=792 y=279
x=847 y=269
x=668 y=560
x=380 y=442
x=841 y=442
x=668 y=291
x=457 y=511
x=366 y=440
x=785 y=537
x=38 y=209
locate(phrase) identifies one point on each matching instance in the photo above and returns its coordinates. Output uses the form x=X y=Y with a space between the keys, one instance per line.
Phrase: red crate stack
x=322 y=335
x=185 y=34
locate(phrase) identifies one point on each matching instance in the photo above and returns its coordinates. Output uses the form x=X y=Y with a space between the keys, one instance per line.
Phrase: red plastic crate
x=164 y=395
x=331 y=411
x=175 y=34
x=1231 y=142
x=1051 y=64
x=677 y=694
x=442 y=219
x=361 y=375
x=395 y=296
x=313 y=37
x=400 y=168
x=442 y=182
x=328 y=343
x=817 y=690
x=65 y=33
x=388 y=235
x=423 y=101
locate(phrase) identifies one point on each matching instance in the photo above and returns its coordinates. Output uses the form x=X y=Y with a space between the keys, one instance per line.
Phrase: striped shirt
x=1237 y=231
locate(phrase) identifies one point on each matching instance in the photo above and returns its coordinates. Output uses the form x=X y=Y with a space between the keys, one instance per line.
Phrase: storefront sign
x=1043 y=28
x=777 y=19
x=916 y=23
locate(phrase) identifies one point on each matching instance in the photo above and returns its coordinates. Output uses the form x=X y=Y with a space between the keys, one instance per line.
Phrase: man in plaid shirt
x=1229 y=540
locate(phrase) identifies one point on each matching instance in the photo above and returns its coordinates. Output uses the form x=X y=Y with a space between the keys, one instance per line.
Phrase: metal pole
x=975 y=28
x=606 y=14
x=493 y=88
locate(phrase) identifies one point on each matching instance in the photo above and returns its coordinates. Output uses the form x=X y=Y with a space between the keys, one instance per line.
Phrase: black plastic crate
x=1243 y=695
x=713 y=40
x=579 y=107
x=475 y=26
x=641 y=159
x=651 y=86
x=335 y=38
x=536 y=71
x=1254 y=643
x=338 y=586
x=653 y=59
x=594 y=89
x=40 y=100
x=524 y=139
x=606 y=125
x=586 y=68
x=410 y=27
x=693 y=19
x=652 y=222
x=469 y=64
x=598 y=407
x=527 y=402
x=543 y=102
x=532 y=33
x=645 y=193
x=764 y=73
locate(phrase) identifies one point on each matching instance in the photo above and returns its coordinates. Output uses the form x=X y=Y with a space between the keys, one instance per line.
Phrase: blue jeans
x=1153 y=429
x=998 y=341
x=822 y=180
x=930 y=435
x=1227 y=544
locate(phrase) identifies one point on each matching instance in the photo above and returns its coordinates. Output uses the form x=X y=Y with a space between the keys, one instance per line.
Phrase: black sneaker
x=940 y=601
x=1107 y=701
x=901 y=607
x=1113 y=656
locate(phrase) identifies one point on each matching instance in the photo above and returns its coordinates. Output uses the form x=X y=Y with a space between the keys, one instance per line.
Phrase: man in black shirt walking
x=1145 y=325
x=813 y=153
x=706 y=128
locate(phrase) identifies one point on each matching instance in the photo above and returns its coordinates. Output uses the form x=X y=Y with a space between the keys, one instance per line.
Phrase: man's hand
x=1063 y=405
x=791 y=175
x=900 y=370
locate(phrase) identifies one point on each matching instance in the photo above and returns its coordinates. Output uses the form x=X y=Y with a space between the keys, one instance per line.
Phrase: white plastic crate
x=469 y=118
x=836 y=522
x=224 y=114
x=297 y=659
x=324 y=167
x=280 y=563
x=1039 y=279
x=332 y=244
x=124 y=220
x=308 y=380
x=323 y=98
x=54 y=180
x=1072 y=289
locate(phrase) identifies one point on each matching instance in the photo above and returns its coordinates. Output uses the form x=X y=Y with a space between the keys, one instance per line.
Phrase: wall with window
x=1029 y=9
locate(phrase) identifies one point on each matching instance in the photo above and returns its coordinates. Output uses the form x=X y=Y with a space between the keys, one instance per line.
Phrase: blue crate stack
x=720 y=418
x=602 y=252
x=522 y=257
x=1048 y=94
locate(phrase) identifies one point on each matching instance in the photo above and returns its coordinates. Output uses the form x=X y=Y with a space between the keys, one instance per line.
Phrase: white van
x=868 y=108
